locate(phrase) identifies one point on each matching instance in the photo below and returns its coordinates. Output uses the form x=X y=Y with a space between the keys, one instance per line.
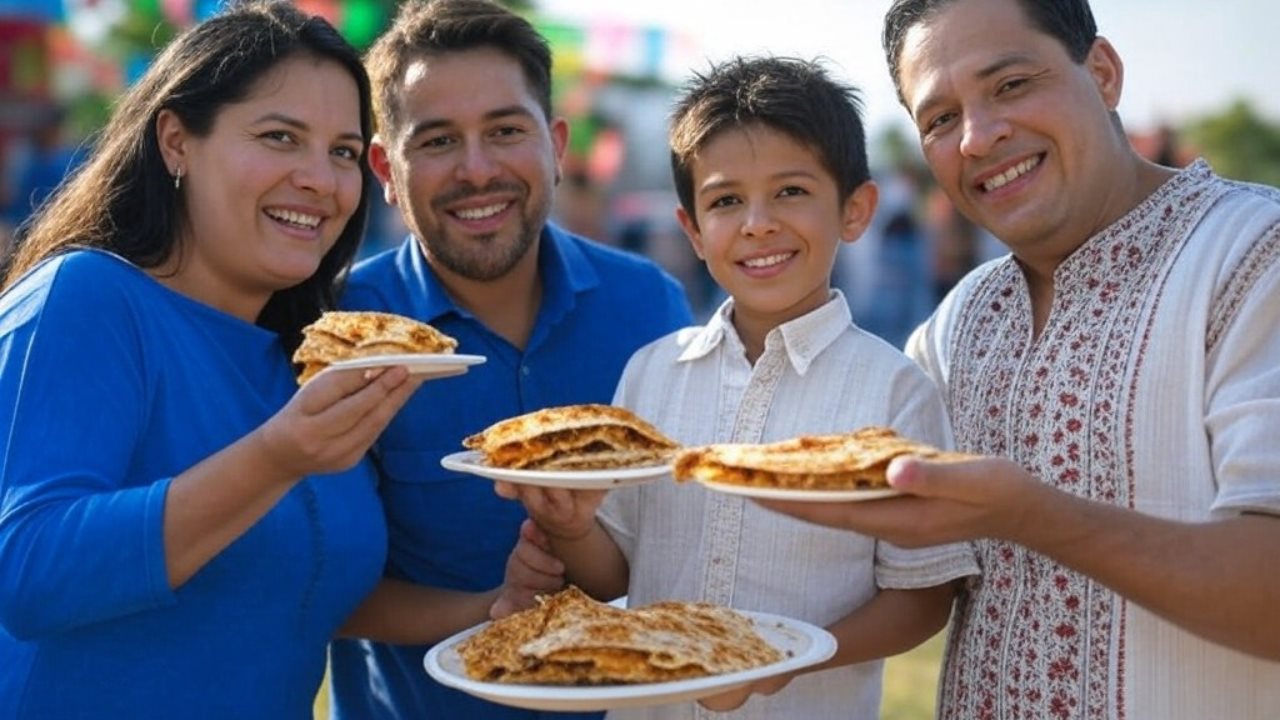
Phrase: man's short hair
x=1069 y=21
x=425 y=28
x=795 y=97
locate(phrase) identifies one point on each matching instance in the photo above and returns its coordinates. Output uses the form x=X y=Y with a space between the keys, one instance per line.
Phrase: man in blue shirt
x=469 y=153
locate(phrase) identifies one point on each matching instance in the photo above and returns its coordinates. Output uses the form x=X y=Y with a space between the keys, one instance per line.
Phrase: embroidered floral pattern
x=1037 y=640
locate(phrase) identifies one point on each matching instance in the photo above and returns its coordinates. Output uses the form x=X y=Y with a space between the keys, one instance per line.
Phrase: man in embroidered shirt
x=1123 y=359
x=468 y=150
x=771 y=172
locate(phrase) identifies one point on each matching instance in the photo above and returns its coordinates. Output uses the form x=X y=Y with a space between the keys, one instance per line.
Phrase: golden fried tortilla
x=344 y=335
x=573 y=437
x=570 y=639
x=814 y=462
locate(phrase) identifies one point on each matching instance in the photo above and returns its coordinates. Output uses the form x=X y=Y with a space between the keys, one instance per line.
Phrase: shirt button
x=524 y=369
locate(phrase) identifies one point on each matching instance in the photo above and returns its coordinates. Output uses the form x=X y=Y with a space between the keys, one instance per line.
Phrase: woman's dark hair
x=122 y=199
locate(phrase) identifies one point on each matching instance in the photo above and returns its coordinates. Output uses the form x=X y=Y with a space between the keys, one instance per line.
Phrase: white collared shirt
x=818 y=374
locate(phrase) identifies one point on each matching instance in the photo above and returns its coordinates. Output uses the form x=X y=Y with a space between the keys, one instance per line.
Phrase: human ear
x=690 y=227
x=380 y=164
x=1107 y=70
x=559 y=142
x=171 y=134
x=858 y=210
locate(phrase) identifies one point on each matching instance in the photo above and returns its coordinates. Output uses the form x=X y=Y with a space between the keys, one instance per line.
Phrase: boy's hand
x=531 y=571
x=733 y=699
x=560 y=513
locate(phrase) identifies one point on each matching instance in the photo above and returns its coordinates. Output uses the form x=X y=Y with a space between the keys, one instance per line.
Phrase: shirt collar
x=803 y=338
x=565 y=270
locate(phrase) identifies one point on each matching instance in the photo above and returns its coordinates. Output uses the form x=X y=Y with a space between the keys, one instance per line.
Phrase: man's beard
x=486 y=257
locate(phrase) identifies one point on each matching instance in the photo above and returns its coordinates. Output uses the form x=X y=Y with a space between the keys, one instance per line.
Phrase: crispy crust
x=343 y=335
x=815 y=462
x=570 y=639
x=573 y=437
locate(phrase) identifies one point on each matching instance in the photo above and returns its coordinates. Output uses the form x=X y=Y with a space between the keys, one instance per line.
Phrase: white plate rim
x=771 y=493
x=819 y=646
x=466 y=461
x=415 y=362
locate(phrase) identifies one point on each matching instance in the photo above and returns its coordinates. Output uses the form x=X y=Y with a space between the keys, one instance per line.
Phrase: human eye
x=1010 y=85
x=435 y=142
x=722 y=201
x=508 y=133
x=281 y=136
x=792 y=191
x=935 y=123
x=347 y=152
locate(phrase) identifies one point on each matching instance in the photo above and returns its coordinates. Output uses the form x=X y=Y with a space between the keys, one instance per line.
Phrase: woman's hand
x=334 y=418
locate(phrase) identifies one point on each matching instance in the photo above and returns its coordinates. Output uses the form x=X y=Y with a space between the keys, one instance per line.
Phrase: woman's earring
x=177 y=179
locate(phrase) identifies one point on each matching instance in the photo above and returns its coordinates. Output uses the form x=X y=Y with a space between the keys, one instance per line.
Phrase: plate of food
x=345 y=340
x=587 y=446
x=571 y=653
x=846 y=467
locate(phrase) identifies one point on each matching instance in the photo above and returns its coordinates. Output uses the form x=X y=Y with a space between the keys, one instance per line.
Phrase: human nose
x=757 y=220
x=317 y=174
x=982 y=131
x=476 y=165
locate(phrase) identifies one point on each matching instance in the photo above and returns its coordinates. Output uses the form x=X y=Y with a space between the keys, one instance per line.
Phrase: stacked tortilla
x=573 y=437
x=847 y=461
x=342 y=335
x=570 y=639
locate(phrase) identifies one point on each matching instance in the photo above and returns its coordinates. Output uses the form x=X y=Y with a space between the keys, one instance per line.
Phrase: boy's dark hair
x=792 y=96
x=1070 y=22
x=424 y=28
x=123 y=199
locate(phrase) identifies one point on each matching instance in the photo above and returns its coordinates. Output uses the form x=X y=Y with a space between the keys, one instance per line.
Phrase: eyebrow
x=298 y=124
x=495 y=114
x=994 y=67
x=785 y=175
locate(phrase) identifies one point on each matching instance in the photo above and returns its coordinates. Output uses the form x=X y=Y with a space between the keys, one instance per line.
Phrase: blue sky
x=1183 y=58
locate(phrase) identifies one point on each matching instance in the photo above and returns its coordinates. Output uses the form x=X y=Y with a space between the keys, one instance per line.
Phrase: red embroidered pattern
x=1034 y=639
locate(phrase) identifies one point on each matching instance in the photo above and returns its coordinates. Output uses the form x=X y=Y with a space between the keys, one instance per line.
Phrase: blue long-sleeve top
x=111 y=385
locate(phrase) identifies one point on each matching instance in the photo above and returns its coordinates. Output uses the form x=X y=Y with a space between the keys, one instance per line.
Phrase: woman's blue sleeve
x=80 y=540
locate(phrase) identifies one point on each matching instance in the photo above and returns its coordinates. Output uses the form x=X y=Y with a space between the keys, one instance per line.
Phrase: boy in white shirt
x=770 y=167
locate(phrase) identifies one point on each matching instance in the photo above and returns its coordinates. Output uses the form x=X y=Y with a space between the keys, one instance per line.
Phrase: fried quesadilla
x=848 y=461
x=570 y=639
x=573 y=437
x=343 y=335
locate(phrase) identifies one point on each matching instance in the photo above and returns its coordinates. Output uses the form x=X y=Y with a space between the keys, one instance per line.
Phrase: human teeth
x=1009 y=175
x=481 y=213
x=766 y=261
x=295 y=218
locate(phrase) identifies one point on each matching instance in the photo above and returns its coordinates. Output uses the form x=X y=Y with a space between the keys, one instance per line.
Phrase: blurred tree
x=1239 y=143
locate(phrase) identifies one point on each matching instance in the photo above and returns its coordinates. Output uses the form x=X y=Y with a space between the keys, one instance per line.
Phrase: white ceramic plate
x=441 y=365
x=802 y=645
x=769 y=493
x=471 y=461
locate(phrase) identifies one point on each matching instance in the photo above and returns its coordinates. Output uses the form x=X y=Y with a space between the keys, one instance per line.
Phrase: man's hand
x=944 y=502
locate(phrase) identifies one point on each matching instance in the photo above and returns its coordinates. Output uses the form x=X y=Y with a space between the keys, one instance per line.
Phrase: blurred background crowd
x=62 y=62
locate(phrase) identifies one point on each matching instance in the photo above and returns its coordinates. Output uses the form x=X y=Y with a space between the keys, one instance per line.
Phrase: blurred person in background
x=182 y=529
x=1122 y=365
x=468 y=150
x=41 y=165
